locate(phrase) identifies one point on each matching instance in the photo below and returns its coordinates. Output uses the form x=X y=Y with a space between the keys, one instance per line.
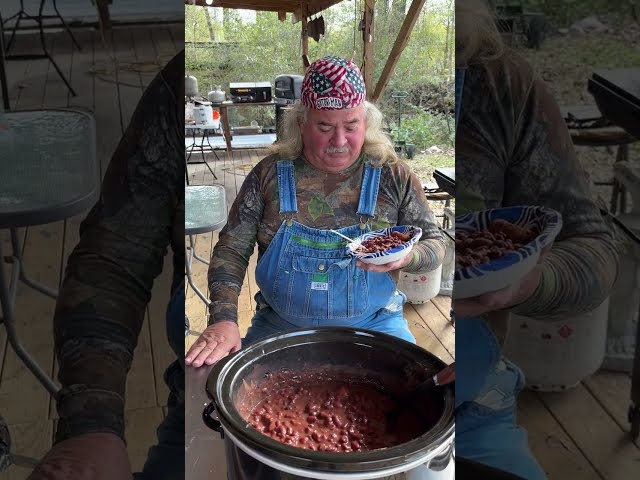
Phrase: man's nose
x=339 y=138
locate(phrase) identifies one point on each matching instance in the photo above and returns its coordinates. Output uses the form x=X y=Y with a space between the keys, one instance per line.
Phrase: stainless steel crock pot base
x=359 y=349
x=242 y=466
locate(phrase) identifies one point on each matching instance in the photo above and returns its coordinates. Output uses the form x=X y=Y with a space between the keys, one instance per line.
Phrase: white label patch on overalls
x=319 y=286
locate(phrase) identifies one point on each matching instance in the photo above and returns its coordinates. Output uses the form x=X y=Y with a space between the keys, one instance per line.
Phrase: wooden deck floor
x=579 y=434
x=112 y=94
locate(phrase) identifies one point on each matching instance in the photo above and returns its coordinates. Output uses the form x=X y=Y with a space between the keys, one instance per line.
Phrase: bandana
x=332 y=83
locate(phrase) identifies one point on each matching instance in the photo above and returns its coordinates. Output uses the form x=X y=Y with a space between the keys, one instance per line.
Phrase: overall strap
x=287 y=187
x=369 y=192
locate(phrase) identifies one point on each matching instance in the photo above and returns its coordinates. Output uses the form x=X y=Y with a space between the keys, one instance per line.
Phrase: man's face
x=333 y=139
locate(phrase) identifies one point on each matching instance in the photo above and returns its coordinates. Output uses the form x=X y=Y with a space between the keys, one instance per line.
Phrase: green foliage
x=427 y=129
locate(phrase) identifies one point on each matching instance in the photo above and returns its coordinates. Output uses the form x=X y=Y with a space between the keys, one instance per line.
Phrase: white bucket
x=420 y=288
x=558 y=354
x=203 y=115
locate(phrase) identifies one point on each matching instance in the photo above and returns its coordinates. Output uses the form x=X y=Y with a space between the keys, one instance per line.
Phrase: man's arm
x=110 y=273
x=581 y=267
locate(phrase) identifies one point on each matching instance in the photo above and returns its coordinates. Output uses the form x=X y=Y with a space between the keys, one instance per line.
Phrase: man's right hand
x=214 y=343
x=89 y=456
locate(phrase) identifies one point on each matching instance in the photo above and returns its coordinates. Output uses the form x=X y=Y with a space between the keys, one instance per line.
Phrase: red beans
x=333 y=417
x=383 y=242
x=498 y=240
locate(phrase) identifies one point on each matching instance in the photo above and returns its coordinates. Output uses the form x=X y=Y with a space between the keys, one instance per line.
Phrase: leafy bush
x=428 y=129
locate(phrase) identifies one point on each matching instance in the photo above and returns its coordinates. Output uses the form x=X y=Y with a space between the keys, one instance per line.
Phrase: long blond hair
x=377 y=145
x=477 y=37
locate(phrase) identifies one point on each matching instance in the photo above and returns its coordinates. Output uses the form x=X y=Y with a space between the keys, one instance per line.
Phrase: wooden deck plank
x=139 y=436
x=595 y=433
x=613 y=391
x=32 y=440
x=443 y=303
x=425 y=337
x=106 y=100
x=439 y=325
x=556 y=452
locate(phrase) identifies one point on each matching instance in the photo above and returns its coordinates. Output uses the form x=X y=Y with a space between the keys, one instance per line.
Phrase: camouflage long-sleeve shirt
x=513 y=148
x=325 y=200
x=110 y=273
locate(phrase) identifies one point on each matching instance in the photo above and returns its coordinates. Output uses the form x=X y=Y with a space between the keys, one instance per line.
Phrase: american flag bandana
x=332 y=83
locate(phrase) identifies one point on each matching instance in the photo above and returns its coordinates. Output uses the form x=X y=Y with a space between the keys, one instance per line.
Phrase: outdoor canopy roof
x=293 y=6
x=302 y=9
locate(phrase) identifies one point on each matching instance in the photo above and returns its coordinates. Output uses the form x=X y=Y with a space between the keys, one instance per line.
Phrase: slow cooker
x=398 y=366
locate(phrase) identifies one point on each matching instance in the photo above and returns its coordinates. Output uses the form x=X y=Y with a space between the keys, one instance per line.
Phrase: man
x=105 y=292
x=513 y=148
x=333 y=169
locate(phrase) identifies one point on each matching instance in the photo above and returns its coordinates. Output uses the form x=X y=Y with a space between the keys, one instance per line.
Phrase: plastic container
x=398 y=366
x=420 y=288
x=203 y=114
x=558 y=354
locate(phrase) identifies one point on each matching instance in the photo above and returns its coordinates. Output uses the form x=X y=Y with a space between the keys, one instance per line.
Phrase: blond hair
x=477 y=37
x=377 y=145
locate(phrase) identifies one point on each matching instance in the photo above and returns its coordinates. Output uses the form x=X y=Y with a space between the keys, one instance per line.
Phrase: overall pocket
x=328 y=288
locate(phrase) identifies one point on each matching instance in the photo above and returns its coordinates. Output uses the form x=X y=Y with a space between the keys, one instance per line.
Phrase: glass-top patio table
x=49 y=173
x=205 y=211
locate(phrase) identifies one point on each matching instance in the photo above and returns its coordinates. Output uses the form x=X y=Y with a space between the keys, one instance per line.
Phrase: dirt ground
x=423 y=166
x=567 y=61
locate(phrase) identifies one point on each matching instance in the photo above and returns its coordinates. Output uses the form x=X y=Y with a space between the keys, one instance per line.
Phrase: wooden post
x=367 y=49
x=305 y=35
x=399 y=45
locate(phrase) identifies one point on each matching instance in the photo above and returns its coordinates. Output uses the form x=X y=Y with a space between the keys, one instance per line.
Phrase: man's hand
x=387 y=267
x=90 y=456
x=500 y=299
x=215 y=342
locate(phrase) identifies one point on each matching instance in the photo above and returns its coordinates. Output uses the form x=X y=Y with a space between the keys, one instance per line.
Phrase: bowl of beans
x=496 y=248
x=386 y=245
x=322 y=402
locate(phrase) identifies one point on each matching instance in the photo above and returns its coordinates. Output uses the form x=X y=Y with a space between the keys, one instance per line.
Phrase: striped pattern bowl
x=504 y=271
x=388 y=256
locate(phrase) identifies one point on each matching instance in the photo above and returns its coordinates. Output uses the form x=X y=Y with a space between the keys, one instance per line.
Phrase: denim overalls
x=306 y=278
x=165 y=460
x=486 y=388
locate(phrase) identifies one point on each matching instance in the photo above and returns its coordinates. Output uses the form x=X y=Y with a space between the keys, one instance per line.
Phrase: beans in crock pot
x=501 y=238
x=334 y=417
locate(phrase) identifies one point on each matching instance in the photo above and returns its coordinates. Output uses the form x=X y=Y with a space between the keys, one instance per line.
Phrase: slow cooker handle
x=209 y=421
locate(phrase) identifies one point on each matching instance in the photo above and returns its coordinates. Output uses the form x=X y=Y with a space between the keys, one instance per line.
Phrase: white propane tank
x=190 y=86
x=558 y=354
x=420 y=288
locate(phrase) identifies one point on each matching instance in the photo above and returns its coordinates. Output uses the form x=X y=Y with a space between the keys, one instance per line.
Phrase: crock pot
x=395 y=364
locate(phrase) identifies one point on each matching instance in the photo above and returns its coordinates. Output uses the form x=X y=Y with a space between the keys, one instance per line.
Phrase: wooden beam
x=398 y=47
x=305 y=35
x=261 y=5
x=367 y=48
